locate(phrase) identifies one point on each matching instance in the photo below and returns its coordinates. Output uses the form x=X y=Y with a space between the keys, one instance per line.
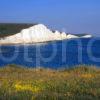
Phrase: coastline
x=38 y=34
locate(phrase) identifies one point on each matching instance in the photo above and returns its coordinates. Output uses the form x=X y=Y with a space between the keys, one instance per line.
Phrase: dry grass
x=79 y=83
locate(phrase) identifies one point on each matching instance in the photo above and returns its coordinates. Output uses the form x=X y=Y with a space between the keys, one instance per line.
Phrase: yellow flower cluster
x=34 y=89
x=87 y=76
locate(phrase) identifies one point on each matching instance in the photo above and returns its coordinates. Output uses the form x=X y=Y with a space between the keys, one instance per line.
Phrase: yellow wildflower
x=34 y=89
x=86 y=75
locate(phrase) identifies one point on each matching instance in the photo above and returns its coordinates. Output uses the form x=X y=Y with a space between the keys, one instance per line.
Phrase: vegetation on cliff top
x=7 y=29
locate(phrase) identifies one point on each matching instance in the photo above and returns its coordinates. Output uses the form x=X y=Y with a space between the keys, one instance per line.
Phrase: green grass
x=79 y=83
x=7 y=29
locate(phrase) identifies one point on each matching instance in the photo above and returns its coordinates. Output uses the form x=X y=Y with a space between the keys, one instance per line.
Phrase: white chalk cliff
x=87 y=36
x=35 y=34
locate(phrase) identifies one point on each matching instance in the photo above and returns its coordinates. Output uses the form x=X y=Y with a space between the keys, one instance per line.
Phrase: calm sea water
x=53 y=54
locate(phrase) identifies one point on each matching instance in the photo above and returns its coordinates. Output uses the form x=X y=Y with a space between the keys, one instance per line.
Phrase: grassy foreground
x=80 y=83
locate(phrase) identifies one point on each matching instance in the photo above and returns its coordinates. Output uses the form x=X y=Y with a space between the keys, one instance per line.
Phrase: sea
x=56 y=54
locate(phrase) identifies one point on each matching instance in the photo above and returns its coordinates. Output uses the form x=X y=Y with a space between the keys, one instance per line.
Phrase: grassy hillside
x=80 y=83
x=7 y=29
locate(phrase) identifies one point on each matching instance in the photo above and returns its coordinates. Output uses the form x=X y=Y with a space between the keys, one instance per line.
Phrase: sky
x=74 y=16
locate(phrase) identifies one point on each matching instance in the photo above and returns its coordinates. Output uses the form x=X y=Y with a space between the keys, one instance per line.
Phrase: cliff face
x=35 y=34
